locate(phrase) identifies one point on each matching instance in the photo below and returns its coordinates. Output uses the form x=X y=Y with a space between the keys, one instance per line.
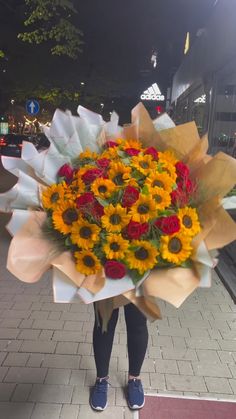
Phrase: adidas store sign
x=153 y=93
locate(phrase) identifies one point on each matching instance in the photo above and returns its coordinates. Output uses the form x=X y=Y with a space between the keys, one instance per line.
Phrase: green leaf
x=68 y=242
x=145 y=190
x=103 y=202
x=126 y=161
x=135 y=275
x=122 y=154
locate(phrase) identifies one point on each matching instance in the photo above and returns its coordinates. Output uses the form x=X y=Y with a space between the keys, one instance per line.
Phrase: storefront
x=204 y=87
x=204 y=90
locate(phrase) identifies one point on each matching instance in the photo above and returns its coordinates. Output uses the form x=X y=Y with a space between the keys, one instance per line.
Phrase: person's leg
x=137 y=339
x=102 y=343
x=102 y=347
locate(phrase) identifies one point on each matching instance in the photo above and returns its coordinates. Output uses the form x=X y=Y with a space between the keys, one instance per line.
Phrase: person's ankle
x=103 y=378
x=133 y=377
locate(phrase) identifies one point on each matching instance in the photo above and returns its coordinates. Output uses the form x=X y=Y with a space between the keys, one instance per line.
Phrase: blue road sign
x=32 y=107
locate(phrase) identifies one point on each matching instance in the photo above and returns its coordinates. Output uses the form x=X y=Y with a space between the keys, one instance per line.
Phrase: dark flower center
x=54 y=197
x=115 y=219
x=88 y=261
x=158 y=183
x=114 y=246
x=166 y=170
x=141 y=253
x=144 y=165
x=187 y=221
x=102 y=189
x=158 y=198
x=118 y=179
x=69 y=216
x=175 y=245
x=143 y=209
x=85 y=232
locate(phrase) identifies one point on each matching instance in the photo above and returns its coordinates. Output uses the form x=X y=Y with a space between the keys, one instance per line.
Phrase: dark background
x=119 y=37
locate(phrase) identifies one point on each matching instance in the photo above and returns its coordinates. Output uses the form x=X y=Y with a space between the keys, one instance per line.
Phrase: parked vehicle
x=11 y=144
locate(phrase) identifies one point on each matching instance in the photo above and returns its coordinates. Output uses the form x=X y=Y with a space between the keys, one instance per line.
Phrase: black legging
x=137 y=340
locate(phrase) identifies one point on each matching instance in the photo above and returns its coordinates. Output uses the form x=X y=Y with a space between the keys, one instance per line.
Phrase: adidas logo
x=152 y=93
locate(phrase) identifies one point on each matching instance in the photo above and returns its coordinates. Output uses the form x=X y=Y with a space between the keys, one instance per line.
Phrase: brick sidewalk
x=47 y=366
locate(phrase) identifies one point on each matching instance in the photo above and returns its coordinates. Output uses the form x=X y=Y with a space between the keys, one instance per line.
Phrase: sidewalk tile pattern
x=46 y=357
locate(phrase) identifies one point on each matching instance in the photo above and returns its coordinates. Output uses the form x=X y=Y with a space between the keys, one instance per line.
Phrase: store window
x=198 y=109
x=181 y=111
x=224 y=126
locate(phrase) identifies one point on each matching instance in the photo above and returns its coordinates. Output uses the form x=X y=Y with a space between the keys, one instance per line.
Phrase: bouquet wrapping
x=120 y=214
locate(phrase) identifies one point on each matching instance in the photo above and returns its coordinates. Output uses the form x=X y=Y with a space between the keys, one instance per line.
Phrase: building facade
x=204 y=87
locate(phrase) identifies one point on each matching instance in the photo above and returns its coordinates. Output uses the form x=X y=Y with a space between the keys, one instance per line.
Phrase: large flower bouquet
x=126 y=209
x=120 y=214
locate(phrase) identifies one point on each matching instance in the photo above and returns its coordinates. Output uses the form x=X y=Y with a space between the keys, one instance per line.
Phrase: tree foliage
x=51 y=20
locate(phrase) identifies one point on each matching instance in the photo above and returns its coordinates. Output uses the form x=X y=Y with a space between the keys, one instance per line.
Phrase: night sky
x=119 y=37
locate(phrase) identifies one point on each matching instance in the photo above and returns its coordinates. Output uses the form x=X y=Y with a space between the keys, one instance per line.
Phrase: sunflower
x=110 y=153
x=76 y=187
x=53 y=196
x=189 y=221
x=162 y=197
x=103 y=187
x=115 y=246
x=141 y=256
x=176 y=248
x=160 y=180
x=144 y=209
x=115 y=218
x=88 y=154
x=167 y=156
x=87 y=262
x=84 y=234
x=82 y=170
x=64 y=216
x=119 y=173
x=144 y=164
x=129 y=144
x=169 y=169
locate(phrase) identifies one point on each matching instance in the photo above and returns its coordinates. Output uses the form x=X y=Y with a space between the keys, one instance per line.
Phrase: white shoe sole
x=135 y=406
x=100 y=409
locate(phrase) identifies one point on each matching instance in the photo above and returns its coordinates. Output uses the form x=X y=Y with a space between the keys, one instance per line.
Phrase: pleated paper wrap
x=31 y=254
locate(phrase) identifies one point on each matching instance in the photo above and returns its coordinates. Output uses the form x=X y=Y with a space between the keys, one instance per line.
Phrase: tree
x=51 y=20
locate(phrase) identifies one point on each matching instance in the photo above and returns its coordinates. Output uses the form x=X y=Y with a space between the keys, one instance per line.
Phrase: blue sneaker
x=98 y=398
x=135 y=394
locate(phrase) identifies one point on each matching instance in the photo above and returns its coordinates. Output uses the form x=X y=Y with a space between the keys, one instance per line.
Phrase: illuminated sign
x=153 y=93
x=4 y=128
x=187 y=43
x=200 y=99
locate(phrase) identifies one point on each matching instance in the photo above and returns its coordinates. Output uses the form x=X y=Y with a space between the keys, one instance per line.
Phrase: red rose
x=97 y=210
x=114 y=269
x=182 y=170
x=109 y=144
x=66 y=171
x=179 y=197
x=132 y=151
x=103 y=163
x=135 y=230
x=187 y=185
x=91 y=174
x=87 y=203
x=130 y=196
x=86 y=199
x=168 y=225
x=153 y=152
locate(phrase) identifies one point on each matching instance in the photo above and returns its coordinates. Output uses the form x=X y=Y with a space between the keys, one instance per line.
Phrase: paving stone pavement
x=46 y=360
